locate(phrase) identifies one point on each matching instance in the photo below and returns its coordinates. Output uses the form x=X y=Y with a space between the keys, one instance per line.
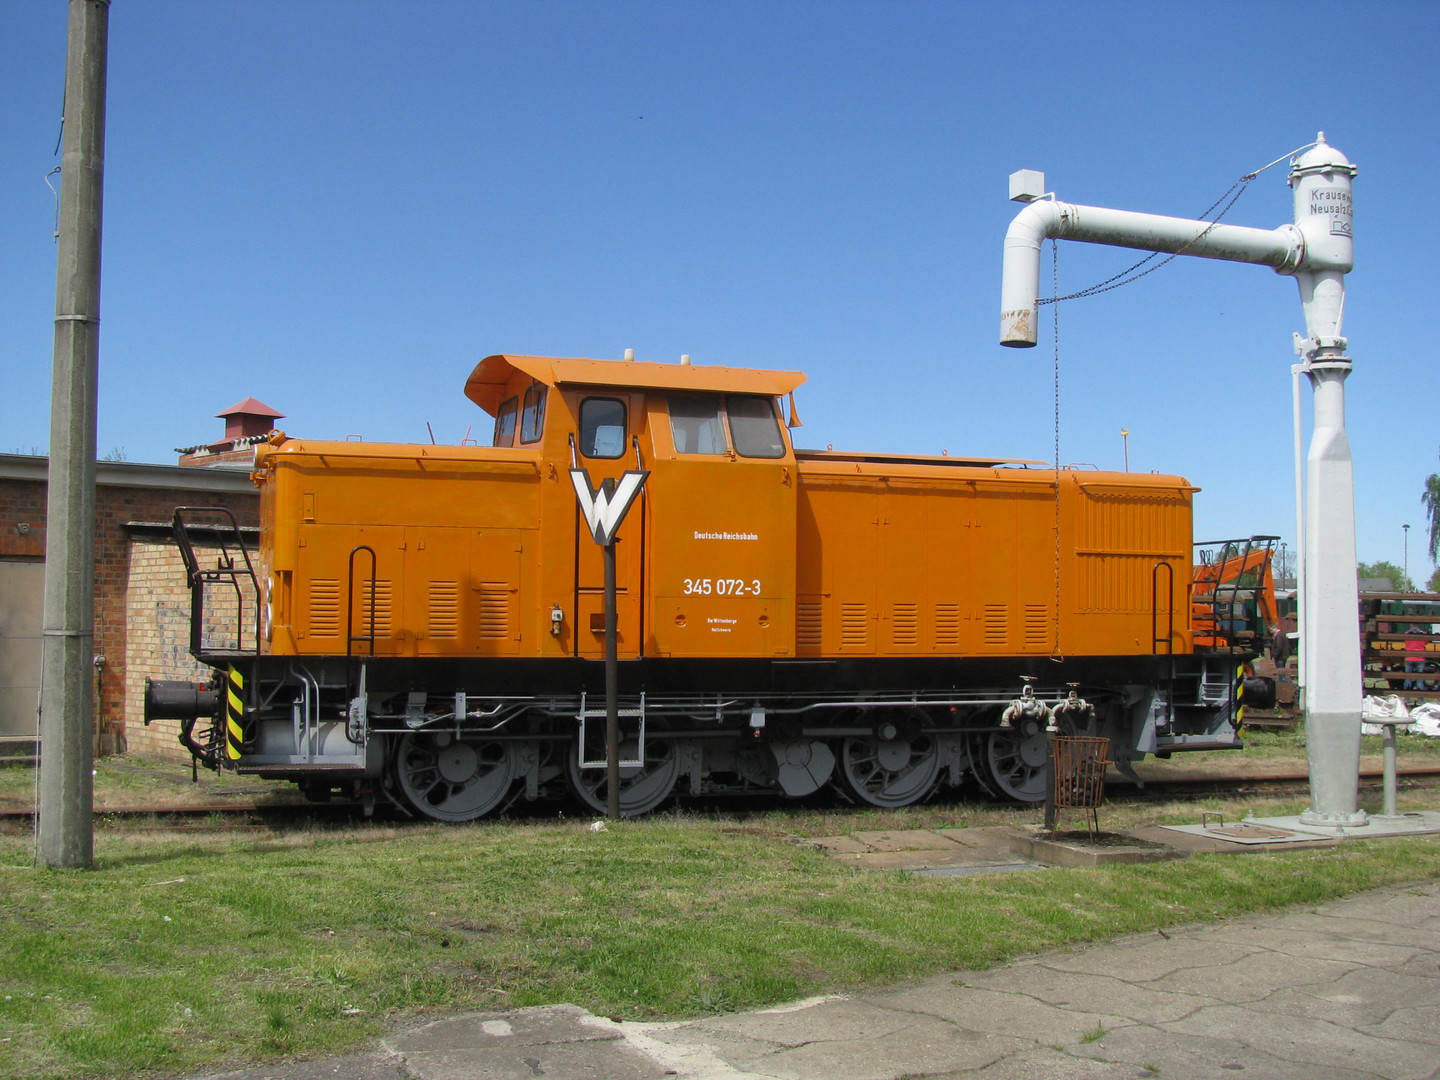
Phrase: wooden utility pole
x=66 y=832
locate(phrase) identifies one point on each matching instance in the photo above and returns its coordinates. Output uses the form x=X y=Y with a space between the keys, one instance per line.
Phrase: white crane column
x=1318 y=250
x=1329 y=640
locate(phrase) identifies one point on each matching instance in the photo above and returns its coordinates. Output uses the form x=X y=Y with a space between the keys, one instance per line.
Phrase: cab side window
x=532 y=414
x=695 y=424
x=602 y=427
x=754 y=431
x=505 y=423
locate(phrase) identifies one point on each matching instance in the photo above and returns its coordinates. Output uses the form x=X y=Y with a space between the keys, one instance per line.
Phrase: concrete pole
x=66 y=836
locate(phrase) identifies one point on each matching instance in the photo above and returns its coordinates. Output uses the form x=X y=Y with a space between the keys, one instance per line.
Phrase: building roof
x=250 y=407
x=134 y=474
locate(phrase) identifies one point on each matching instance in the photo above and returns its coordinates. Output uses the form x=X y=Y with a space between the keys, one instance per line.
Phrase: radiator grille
x=947 y=624
x=997 y=625
x=1037 y=625
x=325 y=607
x=906 y=621
x=444 y=610
x=854 y=626
x=808 y=624
x=383 y=608
x=494 y=610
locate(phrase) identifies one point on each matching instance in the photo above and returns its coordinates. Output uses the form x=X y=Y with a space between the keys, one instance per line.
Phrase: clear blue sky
x=339 y=208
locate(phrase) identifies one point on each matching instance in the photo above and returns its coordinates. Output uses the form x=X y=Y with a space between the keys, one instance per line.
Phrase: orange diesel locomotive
x=423 y=623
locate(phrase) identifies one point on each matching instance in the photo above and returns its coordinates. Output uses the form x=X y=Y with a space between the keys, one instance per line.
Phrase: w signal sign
x=605 y=509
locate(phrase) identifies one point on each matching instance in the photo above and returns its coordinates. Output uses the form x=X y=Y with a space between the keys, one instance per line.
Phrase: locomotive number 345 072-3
x=721 y=587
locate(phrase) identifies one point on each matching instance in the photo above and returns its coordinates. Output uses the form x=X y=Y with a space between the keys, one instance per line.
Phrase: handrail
x=350 y=636
x=1155 y=638
x=199 y=577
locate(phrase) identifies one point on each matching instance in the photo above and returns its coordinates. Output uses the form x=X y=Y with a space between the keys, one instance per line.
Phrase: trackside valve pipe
x=1317 y=250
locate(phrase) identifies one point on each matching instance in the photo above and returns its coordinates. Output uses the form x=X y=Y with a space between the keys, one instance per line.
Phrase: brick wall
x=22 y=519
x=125 y=494
x=157 y=642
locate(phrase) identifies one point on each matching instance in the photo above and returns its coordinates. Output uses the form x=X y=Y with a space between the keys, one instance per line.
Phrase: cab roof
x=488 y=382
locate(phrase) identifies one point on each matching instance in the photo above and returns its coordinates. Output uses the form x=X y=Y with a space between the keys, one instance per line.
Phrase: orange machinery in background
x=428 y=617
x=1233 y=594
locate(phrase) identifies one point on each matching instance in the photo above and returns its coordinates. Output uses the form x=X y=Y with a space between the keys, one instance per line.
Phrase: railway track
x=261 y=816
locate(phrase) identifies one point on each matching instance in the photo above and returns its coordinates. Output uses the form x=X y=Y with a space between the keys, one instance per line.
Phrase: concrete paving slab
x=1079 y=992
x=1150 y=957
x=1384 y=987
x=1252 y=978
x=922 y=1047
x=841 y=845
x=986 y=842
x=519 y=1027
x=1049 y=1063
x=554 y=1061
x=1318 y=944
x=969 y=869
x=1406 y=906
x=1001 y=1012
x=376 y=1065
x=905 y=840
x=1165 y=1053
x=858 y=1019
x=692 y=1052
x=940 y=852
x=1363 y=929
x=1417 y=1024
x=1107 y=849
x=908 y=860
x=1307 y=1042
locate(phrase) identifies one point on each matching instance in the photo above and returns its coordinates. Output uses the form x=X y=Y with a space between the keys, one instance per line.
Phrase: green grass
x=180 y=953
x=130 y=780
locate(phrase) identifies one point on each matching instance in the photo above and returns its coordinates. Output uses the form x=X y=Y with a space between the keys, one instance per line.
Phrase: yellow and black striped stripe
x=1240 y=695
x=234 y=713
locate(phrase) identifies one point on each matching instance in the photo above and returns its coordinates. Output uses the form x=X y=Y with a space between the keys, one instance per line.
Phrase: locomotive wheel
x=642 y=787
x=452 y=779
x=889 y=772
x=1012 y=764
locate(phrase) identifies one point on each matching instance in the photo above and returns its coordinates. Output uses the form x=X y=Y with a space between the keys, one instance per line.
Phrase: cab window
x=754 y=431
x=532 y=414
x=695 y=424
x=505 y=423
x=602 y=427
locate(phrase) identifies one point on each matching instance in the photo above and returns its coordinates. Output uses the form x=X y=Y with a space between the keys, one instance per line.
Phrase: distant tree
x=117 y=453
x=1389 y=570
x=1430 y=499
x=1433 y=585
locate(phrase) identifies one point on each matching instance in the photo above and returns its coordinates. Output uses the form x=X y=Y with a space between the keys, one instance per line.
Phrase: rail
x=232 y=567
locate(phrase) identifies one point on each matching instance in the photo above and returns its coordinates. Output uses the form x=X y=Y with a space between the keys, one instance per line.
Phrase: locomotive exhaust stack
x=1317 y=250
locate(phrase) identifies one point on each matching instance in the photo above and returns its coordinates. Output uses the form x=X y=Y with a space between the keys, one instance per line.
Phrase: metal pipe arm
x=1283 y=248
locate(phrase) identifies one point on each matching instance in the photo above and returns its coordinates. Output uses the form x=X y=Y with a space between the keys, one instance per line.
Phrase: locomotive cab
x=705 y=564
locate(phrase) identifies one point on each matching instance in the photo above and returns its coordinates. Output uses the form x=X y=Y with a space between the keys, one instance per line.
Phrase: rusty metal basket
x=1080 y=774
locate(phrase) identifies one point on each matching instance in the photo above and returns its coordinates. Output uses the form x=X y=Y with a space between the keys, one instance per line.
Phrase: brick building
x=142 y=601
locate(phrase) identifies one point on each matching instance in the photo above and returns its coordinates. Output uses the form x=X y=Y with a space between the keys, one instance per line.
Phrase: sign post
x=604 y=510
